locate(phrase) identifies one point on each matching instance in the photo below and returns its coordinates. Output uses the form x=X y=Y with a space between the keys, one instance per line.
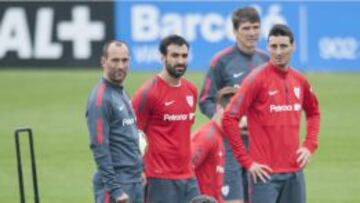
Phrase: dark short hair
x=108 y=43
x=224 y=95
x=245 y=14
x=203 y=199
x=281 y=30
x=172 y=39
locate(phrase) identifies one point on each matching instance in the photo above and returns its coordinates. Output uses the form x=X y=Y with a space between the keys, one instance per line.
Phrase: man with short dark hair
x=229 y=67
x=165 y=107
x=273 y=97
x=114 y=138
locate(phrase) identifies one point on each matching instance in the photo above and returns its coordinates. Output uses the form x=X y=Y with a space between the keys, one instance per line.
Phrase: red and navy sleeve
x=237 y=108
x=312 y=112
x=98 y=118
x=141 y=102
x=210 y=88
x=195 y=93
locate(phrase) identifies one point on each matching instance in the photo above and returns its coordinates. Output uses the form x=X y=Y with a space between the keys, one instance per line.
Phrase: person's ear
x=102 y=61
x=163 y=58
x=294 y=46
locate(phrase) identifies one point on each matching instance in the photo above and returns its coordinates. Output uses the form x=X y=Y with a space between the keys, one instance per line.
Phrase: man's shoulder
x=99 y=88
x=100 y=94
x=207 y=131
x=258 y=73
x=189 y=84
x=298 y=75
x=262 y=53
x=149 y=85
x=205 y=127
x=222 y=55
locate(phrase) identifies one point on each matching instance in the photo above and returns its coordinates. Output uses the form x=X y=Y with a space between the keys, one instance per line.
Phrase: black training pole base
x=18 y=132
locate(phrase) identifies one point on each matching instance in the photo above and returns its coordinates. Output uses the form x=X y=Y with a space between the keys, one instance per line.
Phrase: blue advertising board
x=327 y=33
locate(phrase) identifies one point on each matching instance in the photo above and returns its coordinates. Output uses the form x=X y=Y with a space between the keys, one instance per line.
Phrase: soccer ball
x=142 y=142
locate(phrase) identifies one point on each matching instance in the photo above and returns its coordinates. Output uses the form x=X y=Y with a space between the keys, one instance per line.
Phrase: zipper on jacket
x=286 y=91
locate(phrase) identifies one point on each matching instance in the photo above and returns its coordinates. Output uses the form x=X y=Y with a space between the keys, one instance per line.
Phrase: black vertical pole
x=33 y=164
x=33 y=167
x=19 y=166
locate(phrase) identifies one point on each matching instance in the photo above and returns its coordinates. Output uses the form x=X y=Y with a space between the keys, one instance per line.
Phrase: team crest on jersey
x=190 y=100
x=297 y=92
x=225 y=190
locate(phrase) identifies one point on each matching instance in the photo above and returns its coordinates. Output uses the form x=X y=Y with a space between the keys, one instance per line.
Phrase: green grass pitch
x=52 y=102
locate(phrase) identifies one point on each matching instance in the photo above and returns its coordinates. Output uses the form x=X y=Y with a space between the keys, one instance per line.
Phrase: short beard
x=173 y=72
x=114 y=79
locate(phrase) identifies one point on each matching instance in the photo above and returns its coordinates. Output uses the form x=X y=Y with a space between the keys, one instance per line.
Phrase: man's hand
x=260 y=171
x=124 y=198
x=143 y=178
x=303 y=156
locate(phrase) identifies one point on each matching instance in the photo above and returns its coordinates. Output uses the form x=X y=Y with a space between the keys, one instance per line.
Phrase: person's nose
x=182 y=60
x=253 y=31
x=122 y=66
x=278 y=52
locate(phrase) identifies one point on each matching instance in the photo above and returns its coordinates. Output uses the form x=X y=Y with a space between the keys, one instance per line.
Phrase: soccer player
x=165 y=108
x=114 y=138
x=208 y=151
x=273 y=97
x=228 y=68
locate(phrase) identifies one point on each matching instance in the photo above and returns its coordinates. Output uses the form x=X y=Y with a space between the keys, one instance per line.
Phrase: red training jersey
x=208 y=155
x=273 y=100
x=165 y=114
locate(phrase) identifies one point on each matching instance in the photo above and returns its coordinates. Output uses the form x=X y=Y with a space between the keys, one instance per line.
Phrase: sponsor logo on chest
x=128 y=121
x=284 y=108
x=179 y=117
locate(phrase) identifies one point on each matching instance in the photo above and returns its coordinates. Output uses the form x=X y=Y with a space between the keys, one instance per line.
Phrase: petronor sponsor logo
x=285 y=108
x=280 y=108
x=297 y=107
x=191 y=116
x=178 y=117
x=128 y=121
